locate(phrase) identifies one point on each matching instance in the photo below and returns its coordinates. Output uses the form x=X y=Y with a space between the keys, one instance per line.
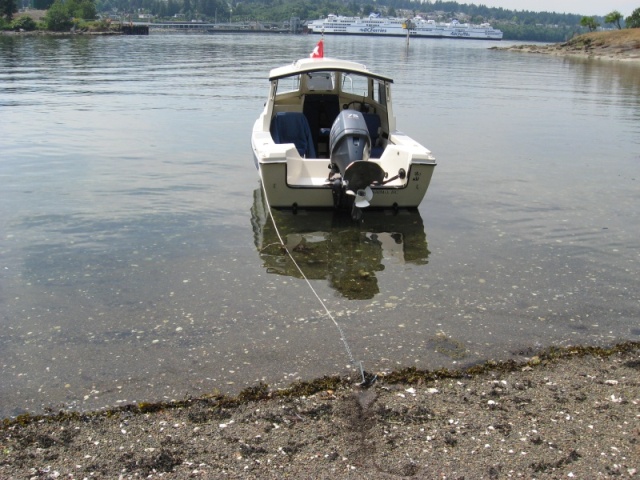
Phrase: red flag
x=318 y=52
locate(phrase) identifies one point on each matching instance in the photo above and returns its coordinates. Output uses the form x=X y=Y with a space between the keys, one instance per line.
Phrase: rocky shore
x=571 y=413
x=612 y=45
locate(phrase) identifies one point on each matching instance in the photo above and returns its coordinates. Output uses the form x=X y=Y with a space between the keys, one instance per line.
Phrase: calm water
x=136 y=261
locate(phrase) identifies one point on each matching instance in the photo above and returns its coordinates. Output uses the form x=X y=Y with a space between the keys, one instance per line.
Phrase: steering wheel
x=364 y=107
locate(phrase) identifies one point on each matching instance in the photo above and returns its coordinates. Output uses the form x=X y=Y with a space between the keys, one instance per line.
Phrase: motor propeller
x=352 y=174
x=363 y=197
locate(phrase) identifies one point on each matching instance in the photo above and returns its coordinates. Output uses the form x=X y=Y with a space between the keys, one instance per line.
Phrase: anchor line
x=352 y=359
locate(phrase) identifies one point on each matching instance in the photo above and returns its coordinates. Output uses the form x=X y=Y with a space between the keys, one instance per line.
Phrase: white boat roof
x=325 y=64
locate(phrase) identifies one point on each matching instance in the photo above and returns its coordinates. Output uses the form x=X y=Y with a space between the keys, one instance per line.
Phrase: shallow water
x=136 y=262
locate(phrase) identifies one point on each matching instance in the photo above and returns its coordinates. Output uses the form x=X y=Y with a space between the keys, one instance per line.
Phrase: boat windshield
x=311 y=82
x=320 y=81
x=355 y=84
x=365 y=87
x=326 y=82
x=289 y=84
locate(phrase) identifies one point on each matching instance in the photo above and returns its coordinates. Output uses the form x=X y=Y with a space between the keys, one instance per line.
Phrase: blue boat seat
x=373 y=125
x=292 y=127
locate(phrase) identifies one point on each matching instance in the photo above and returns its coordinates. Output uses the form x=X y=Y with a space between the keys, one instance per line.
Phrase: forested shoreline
x=63 y=15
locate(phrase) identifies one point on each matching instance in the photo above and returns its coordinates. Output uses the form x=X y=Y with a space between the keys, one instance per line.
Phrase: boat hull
x=280 y=194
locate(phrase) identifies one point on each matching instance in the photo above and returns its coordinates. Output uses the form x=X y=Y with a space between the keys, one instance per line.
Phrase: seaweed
x=411 y=375
x=302 y=388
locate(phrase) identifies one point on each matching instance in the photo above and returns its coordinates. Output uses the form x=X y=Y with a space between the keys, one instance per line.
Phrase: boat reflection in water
x=329 y=245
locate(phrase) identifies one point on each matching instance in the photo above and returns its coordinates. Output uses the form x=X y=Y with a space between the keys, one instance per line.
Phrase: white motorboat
x=327 y=138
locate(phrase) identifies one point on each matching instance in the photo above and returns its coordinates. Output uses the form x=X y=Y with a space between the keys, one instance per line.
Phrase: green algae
x=254 y=394
x=302 y=389
x=261 y=392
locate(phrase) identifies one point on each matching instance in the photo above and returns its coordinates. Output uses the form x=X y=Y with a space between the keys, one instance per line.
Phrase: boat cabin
x=307 y=96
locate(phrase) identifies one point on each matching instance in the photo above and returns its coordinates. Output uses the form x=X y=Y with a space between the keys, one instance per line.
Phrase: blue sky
x=582 y=7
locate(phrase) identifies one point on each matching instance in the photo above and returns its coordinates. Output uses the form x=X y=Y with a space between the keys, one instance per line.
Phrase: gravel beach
x=571 y=413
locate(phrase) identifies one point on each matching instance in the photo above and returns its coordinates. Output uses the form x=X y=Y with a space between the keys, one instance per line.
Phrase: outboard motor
x=352 y=174
x=349 y=140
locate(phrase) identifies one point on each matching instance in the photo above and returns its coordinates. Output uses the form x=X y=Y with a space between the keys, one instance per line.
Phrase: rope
x=313 y=290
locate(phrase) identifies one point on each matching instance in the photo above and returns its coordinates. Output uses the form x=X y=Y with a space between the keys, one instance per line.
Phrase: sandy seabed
x=569 y=415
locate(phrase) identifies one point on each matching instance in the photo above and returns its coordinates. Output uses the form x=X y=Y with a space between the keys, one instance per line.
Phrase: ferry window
x=320 y=81
x=289 y=84
x=356 y=84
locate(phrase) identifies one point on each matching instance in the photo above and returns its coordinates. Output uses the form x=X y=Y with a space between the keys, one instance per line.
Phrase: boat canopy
x=308 y=65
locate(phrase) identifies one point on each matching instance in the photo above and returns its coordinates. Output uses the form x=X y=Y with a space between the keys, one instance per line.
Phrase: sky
x=582 y=7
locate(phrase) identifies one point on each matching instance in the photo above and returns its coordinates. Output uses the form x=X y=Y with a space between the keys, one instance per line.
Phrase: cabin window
x=380 y=93
x=320 y=81
x=355 y=84
x=288 y=84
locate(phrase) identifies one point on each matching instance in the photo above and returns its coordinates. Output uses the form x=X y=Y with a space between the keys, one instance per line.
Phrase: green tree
x=42 y=4
x=590 y=23
x=8 y=8
x=633 y=20
x=172 y=8
x=614 y=18
x=58 y=18
x=85 y=9
x=25 y=23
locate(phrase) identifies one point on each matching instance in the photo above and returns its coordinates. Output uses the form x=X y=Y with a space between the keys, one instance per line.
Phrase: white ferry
x=398 y=27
